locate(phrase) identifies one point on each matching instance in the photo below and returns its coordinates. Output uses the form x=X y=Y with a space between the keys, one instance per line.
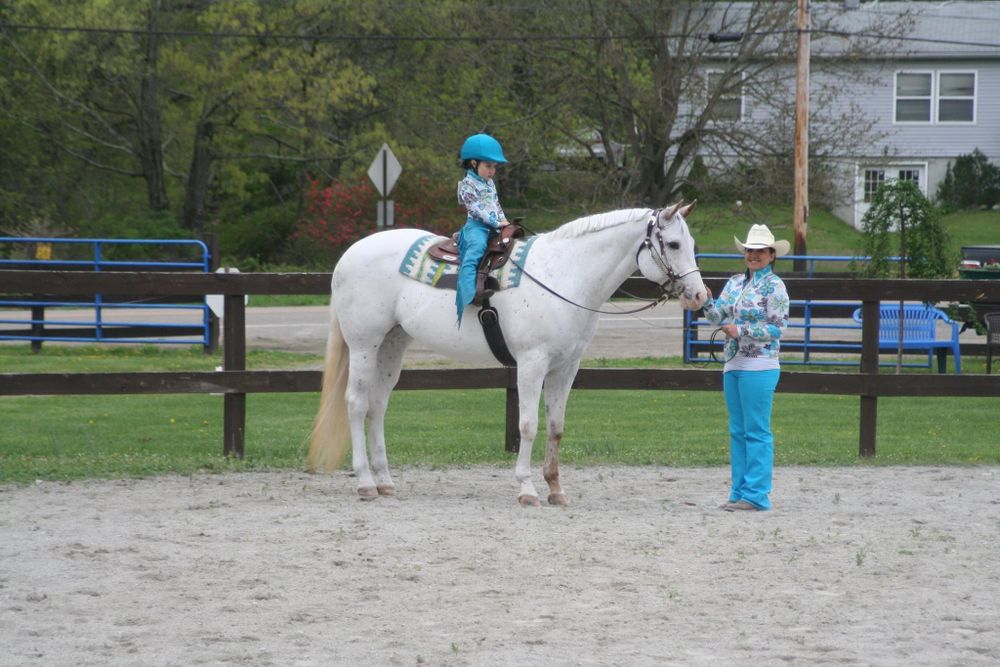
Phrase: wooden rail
x=235 y=382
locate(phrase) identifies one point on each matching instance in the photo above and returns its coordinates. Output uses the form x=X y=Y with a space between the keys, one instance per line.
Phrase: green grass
x=80 y=437
x=270 y=300
x=18 y=358
x=76 y=437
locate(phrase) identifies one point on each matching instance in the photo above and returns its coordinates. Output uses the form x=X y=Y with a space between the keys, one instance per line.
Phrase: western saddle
x=497 y=253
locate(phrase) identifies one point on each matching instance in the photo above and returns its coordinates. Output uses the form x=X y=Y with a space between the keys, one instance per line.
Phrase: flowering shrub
x=342 y=212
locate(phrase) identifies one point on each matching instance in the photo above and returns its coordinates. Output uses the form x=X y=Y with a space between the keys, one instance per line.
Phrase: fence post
x=234 y=358
x=512 y=441
x=37 y=325
x=869 y=366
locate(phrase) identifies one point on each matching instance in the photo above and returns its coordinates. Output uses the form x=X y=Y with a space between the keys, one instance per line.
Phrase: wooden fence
x=235 y=382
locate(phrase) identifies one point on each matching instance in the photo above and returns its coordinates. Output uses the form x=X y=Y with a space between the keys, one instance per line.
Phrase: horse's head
x=666 y=256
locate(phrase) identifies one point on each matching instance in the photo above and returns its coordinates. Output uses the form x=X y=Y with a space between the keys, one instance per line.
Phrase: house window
x=956 y=97
x=910 y=175
x=729 y=105
x=873 y=179
x=935 y=97
x=913 y=97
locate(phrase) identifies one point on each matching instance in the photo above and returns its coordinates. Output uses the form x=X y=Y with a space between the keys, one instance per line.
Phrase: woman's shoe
x=744 y=506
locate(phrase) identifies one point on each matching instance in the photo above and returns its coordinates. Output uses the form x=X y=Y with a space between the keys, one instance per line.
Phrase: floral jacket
x=480 y=199
x=758 y=306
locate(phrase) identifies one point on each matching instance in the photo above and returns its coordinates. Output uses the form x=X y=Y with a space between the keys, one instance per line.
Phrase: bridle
x=672 y=280
x=656 y=253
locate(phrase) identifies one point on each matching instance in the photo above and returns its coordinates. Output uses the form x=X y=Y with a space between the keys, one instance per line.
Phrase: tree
x=899 y=209
x=901 y=220
x=140 y=100
x=213 y=106
x=97 y=98
x=645 y=76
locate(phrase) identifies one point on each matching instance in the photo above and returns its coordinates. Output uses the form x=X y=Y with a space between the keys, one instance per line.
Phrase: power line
x=469 y=38
x=332 y=38
x=928 y=40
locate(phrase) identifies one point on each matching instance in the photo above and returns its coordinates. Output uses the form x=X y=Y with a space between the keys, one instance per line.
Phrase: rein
x=653 y=303
x=672 y=277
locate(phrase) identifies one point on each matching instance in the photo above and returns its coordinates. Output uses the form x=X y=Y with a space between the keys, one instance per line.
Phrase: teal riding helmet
x=482 y=147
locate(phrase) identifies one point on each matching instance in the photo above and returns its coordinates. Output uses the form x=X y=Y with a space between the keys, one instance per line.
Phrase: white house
x=934 y=96
x=938 y=97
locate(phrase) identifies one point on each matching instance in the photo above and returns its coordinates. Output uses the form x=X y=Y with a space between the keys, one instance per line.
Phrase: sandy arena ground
x=861 y=565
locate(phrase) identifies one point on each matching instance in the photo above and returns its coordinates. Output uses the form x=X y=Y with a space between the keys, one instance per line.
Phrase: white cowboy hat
x=760 y=236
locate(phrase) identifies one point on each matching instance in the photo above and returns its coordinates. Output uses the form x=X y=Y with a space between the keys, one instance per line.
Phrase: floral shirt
x=480 y=199
x=758 y=306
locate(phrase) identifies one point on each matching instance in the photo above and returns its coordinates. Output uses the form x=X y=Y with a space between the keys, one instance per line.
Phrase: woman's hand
x=730 y=330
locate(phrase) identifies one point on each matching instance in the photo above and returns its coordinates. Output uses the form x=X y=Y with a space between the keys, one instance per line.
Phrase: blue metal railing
x=809 y=259
x=99 y=328
x=811 y=312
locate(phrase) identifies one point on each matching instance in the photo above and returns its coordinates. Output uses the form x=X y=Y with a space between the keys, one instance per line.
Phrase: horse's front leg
x=557 y=388
x=529 y=388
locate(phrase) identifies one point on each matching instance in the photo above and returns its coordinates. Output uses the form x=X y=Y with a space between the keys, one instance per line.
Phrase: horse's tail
x=331 y=431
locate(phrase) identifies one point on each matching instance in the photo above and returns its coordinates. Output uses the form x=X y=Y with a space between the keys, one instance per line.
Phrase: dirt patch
x=884 y=566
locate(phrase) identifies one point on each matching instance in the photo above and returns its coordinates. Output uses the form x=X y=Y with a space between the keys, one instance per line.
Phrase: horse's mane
x=595 y=223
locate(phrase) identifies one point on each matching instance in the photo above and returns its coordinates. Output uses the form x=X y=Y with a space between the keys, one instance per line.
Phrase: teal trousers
x=471 y=247
x=749 y=398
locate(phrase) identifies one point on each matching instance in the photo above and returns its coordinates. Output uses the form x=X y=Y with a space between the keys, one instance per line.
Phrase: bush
x=342 y=212
x=162 y=225
x=261 y=235
x=972 y=182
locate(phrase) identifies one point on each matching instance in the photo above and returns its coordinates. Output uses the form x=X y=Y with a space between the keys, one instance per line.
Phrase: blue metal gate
x=105 y=319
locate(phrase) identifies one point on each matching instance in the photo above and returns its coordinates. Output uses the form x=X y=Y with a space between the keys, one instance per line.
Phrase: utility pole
x=801 y=214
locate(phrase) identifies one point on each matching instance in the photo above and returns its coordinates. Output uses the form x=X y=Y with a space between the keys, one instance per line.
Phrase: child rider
x=480 y=156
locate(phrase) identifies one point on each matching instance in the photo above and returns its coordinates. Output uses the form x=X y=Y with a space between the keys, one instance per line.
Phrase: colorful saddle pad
x=417 y=264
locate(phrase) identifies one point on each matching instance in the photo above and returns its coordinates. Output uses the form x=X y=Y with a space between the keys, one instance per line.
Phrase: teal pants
x=471 y=247
x=749 y=397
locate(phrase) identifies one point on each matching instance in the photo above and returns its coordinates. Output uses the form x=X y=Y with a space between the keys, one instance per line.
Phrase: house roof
x=877 y=28
x=927 y=29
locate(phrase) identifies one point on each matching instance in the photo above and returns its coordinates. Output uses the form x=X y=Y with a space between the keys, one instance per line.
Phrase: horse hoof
x=368 y=492
x=386 y=490
x=558 y=499
x=529 y=501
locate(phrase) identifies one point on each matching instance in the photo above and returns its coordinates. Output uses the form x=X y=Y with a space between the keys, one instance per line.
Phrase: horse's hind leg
x=373 y=373
x=362 y=377
x=390 y=362
x=557 y=387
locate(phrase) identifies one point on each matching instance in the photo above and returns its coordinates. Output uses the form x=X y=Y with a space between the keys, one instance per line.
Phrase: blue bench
x=919 y=332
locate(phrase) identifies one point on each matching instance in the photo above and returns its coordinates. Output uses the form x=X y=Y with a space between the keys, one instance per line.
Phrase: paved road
x=654 y=333
x=651 y=333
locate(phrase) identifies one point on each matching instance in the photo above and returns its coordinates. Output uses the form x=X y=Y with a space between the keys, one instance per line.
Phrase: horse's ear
x=687 y=209
x=669 y=211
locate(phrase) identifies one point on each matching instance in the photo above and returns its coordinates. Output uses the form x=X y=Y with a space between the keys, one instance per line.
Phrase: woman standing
x=752 y=312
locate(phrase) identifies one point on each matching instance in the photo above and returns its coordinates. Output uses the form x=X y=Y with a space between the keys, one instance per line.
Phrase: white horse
x=375 y=312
